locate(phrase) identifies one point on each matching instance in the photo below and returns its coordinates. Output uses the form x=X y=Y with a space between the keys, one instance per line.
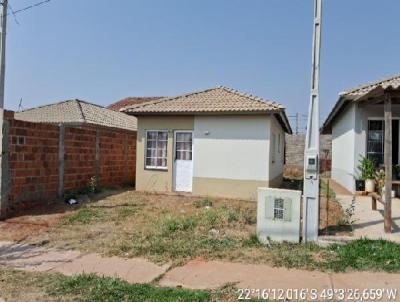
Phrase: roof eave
x=280 y=112
x=233 y=112
x=342 y=101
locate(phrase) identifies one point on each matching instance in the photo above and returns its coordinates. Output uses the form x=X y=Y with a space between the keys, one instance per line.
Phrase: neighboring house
x=75 y=113
x=216 y=142
x=131 y=101
x=356 y=123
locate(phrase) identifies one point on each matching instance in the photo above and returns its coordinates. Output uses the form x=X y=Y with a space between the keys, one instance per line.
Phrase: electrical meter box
x=278 y=215
x=311 y=166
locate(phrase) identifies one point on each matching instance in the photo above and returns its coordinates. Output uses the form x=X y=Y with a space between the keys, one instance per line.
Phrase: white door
x=183 y=166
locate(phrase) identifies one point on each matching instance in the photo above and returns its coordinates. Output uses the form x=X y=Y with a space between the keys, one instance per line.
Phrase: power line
x=13 y=13
x=30 y=6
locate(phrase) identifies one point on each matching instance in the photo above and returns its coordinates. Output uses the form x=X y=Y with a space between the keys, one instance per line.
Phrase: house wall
x=231 y=155
x=32 y=172
x=349 y=139
x=158 y=180
x=276 y=161
x=343 y=140
x=363 y=114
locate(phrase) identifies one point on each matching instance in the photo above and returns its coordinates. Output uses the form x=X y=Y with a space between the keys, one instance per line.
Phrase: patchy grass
x=84 y=216
x=175 y=229
x=28 y=286
x=208 y=233
x=202 y=203
x=363 y=255
x=93 y=288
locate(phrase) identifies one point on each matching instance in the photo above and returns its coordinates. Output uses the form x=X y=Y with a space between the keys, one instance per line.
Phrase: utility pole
x=3 y=140
x=3 y=31
x=311 y=152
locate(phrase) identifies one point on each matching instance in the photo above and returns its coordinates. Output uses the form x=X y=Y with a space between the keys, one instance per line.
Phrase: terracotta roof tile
x=76 y=112
x=392 y=82
x=356 y=94
x=220 y=99
x=131 y=101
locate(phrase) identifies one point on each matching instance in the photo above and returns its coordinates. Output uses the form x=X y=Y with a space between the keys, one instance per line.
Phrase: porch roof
x=371 y=93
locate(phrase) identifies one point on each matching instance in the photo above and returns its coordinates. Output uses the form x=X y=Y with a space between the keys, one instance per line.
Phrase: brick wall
x=33 y=163
x=31 y=172
x=79 y=158
x=294 y=154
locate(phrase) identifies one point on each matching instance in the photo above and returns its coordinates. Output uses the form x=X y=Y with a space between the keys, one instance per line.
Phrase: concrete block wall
x=41 y=161
x=294 y=153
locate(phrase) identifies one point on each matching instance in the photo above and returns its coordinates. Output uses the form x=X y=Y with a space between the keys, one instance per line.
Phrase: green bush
x=367 y=168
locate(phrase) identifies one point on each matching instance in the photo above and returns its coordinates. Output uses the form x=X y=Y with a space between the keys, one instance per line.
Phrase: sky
x=102 y=51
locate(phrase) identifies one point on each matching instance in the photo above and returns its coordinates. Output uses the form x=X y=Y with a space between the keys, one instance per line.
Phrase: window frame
x=158 y=168
x=176 y=141
x=370 y=154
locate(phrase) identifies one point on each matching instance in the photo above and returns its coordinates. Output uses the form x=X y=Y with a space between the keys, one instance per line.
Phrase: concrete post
x=61 y=158
x=4 y=171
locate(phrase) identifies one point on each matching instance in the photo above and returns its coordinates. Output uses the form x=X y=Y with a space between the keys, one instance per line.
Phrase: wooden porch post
x=388 y=163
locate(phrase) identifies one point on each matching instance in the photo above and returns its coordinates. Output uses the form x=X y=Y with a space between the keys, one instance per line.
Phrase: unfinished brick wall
x=79 y=158
x=33 y=161
x=117 y=157
x=294 y=154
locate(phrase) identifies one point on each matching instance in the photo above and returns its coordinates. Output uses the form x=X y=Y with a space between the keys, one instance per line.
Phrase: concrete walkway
x=195 y=274
x=369 y=223
x=32 y=258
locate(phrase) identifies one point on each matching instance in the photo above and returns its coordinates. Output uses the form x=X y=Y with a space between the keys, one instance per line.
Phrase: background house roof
x=357 y=94
x=131 y=101
x=78 y=112
x=392 y=82
x=220 y=100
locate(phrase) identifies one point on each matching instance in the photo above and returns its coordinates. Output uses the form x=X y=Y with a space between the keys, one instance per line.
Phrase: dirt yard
x=161 y=227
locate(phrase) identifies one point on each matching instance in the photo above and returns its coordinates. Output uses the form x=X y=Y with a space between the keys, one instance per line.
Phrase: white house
x=216 y=142
x=356 y=123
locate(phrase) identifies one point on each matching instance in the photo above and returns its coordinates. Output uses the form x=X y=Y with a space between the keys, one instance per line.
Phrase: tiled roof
x=131 y=101
x=357 y=94
x=392 y=82
x=220 y=99
x=78 y=112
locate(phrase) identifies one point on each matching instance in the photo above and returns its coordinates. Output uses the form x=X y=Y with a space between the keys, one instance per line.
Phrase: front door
x=183 y=166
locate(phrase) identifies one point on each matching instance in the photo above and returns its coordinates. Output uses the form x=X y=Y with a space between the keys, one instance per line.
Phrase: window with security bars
x=183 y=149
x=279 y=209
x=156 y=149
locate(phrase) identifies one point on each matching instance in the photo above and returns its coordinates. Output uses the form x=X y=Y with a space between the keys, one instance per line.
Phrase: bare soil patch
x=164 y=228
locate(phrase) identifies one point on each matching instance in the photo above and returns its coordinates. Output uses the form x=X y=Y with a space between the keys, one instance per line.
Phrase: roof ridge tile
x=370 y=84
